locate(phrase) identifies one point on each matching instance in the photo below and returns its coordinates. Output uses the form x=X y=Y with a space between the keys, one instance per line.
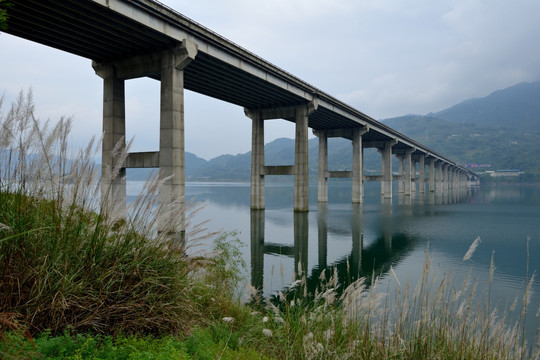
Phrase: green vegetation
x=78 y=284
x=4 y=5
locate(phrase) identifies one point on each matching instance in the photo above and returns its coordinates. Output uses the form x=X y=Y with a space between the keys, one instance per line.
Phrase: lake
x=365 y=240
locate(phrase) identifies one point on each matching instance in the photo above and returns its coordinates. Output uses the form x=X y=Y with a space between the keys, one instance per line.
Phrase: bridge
x=127 y=39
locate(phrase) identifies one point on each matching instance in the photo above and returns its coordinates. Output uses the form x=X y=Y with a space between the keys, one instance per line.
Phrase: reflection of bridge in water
x=388 y=248
x=361 y=261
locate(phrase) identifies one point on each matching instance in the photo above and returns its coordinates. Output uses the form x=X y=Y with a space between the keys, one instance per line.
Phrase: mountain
x=501 y=129
x=517 y=106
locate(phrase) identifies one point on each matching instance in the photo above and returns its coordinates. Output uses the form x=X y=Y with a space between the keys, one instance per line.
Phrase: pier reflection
x=368 y=261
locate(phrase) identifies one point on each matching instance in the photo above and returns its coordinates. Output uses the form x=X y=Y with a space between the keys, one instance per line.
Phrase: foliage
x=228 y=266
x=200 y=345
x=4 y=5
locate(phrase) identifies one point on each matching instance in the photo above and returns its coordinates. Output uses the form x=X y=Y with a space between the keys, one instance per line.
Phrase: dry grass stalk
x=107 y=270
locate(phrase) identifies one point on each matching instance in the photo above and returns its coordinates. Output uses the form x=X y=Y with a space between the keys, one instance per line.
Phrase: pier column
x=432 y=175
x=322 y=189
x=171 y=139
x=444 y=168
x=299 y=114
x=386 y=185
x=301 y=179
x=439 y=179
x=401 y=181
x=408 y=171
x=422 y=175
x=169 y=65
x=358 y=166
x=113 y=183
x=257 y=160
x=413 y=176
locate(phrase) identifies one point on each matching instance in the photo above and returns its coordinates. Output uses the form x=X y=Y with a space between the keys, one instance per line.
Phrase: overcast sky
x=384 y=57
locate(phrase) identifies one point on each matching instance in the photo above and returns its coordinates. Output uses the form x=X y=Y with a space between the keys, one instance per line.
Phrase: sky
x=386 y=58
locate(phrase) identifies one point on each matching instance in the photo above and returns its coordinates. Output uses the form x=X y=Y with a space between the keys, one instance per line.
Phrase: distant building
x=505 y=172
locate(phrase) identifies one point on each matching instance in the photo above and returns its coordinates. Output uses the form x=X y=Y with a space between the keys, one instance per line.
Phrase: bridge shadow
x=360 y=261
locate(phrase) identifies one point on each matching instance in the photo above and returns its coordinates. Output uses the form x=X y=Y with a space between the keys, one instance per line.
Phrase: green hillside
x=502 y=129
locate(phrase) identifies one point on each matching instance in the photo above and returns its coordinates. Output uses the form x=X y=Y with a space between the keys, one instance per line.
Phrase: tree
x=4 y=4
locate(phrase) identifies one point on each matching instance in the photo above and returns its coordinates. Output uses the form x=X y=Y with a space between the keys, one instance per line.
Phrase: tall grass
x=432 y=319
x=64 y=263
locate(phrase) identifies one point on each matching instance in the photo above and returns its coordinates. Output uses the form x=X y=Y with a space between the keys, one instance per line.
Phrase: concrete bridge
x=128 y=39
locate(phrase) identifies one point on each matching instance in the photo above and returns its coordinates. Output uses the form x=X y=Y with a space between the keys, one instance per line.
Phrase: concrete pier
x=357 y=173
x=422 y=174
x=257 y=161
x=432 y=175
x=386 y=184
x=401 y=181
x=301 y=179
x=300 y=115
x=168 y=65
x=358 y=166
x=322 y=189
x=439 y=177
x=408 y=171
x=171 y=144
x=113 y=188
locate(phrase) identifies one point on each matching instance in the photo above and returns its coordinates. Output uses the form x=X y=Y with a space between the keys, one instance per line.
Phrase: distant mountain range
x=502 y=130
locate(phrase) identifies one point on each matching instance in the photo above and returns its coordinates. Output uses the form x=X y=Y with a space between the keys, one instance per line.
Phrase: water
x=366 y=240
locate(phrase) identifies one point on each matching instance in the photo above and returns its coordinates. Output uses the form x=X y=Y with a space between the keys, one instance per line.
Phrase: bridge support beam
x=422 y=174
x=168 y=65
x=414 y=174
x=357 y=173
x=439 y=177
x=301 y=175
x=445 y=177
x=257 y=162
x=299 y=114
x=401 y=181
x=408 y=171
x=322 y=184
x=113 y=179
x=386 y=184
x=171 y=145
x=358 y=166
x=431 y=175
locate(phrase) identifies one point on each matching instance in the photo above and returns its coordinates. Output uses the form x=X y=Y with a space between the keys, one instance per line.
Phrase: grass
x=78 y=283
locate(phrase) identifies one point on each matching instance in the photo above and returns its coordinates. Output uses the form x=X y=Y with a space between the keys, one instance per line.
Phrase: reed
x=64 y=263
x=435 y=318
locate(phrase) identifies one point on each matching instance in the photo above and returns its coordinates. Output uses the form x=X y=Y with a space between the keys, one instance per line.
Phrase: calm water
x=374 y=236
